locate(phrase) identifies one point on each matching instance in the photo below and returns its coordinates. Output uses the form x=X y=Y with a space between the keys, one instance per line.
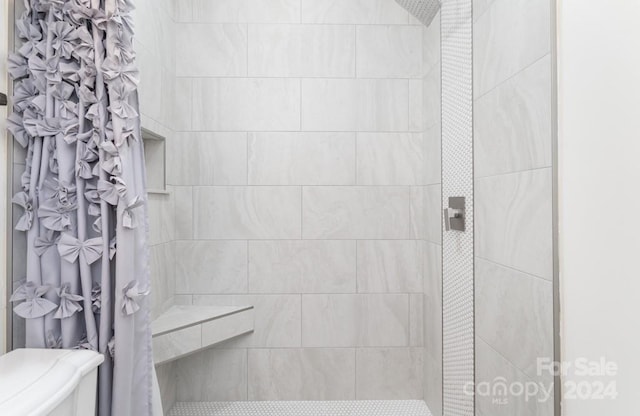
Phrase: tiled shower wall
x=432 y=254
x=298 y=171
x=513 y=196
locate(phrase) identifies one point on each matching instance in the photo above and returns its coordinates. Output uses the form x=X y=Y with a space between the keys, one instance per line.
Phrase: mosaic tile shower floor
x=318 y=408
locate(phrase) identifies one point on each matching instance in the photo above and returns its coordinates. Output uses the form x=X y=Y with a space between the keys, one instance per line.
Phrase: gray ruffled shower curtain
x=83 y=197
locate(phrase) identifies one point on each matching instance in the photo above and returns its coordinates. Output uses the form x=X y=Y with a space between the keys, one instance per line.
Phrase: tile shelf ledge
x=184 y=330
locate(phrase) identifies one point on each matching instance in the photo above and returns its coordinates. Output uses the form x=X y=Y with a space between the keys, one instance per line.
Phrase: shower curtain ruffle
x=83 y=199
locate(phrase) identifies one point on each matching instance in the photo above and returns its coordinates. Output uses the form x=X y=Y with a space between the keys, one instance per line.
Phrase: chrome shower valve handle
x=454 y=218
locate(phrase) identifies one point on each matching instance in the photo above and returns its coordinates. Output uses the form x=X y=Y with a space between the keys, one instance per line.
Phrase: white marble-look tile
x=207 y=159
x=514 y=314
x=302 y=158
x=208 y=267
x=416 y=106
x=353 y=12
x=389 y=373
x=433 y=213
x=512 y=128
x=355 y=105
x=227 y=327
x=183 y=104
x=389 y=51
x=295 y=266
x=183 y=10
x=176 y=344
x=356 y=212
x=302 y=374
x=431 y=45
x=256 y=212
x=417 y=213
x=431 y=99
x=432 y=153
x=433 y=300
x=302 y=51
x=513 y=215
x=491 y=365
x=162 y=264
x=389 y=266
x=433 y=384
x=355 y=320
x=213 y=375
x=167 y=381
x=246 y=104
x=479 y=7
x=243 y=11
x=277 y=319
x=508 y=37
x=211 y=50
x=390 y=158
x=161 y=211
x=416 y=320
x=183 y=212
x=151 y=87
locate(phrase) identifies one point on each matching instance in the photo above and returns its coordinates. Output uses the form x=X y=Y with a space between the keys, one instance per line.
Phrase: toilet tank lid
x=36 y=381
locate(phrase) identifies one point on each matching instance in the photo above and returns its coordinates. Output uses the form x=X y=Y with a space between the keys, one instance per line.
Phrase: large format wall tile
x=355 y=105
x=162 y=264
x=513 y=221
x=514 y=314
x=212 y=375
x=246 y=104
x=491 y=365
x=356 y=212
x=353 y=12
x=510 y=36
x=433 y=300
x=355 y=320
x=389 y=373
x=389 y=52
x=433 y=212
x=210 y=267
x=207 y=159
x=432 y=155
x=211 y=50
x=277 y=319
x=298 y=266
x=390 y=158
x=302 y=158
x=513 y=123
x=257 y=212
x=302 y=374
x=389 y=266
x=183 y=221
x=302 y=51
x=416 y=320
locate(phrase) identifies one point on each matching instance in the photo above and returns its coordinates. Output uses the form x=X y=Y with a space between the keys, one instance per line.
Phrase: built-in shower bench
x=183 y=330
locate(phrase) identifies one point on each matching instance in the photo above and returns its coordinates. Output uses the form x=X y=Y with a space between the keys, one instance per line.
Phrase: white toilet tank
x=38 y=382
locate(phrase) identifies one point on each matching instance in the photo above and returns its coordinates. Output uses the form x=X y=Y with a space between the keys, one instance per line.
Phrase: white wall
x=599 y=149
